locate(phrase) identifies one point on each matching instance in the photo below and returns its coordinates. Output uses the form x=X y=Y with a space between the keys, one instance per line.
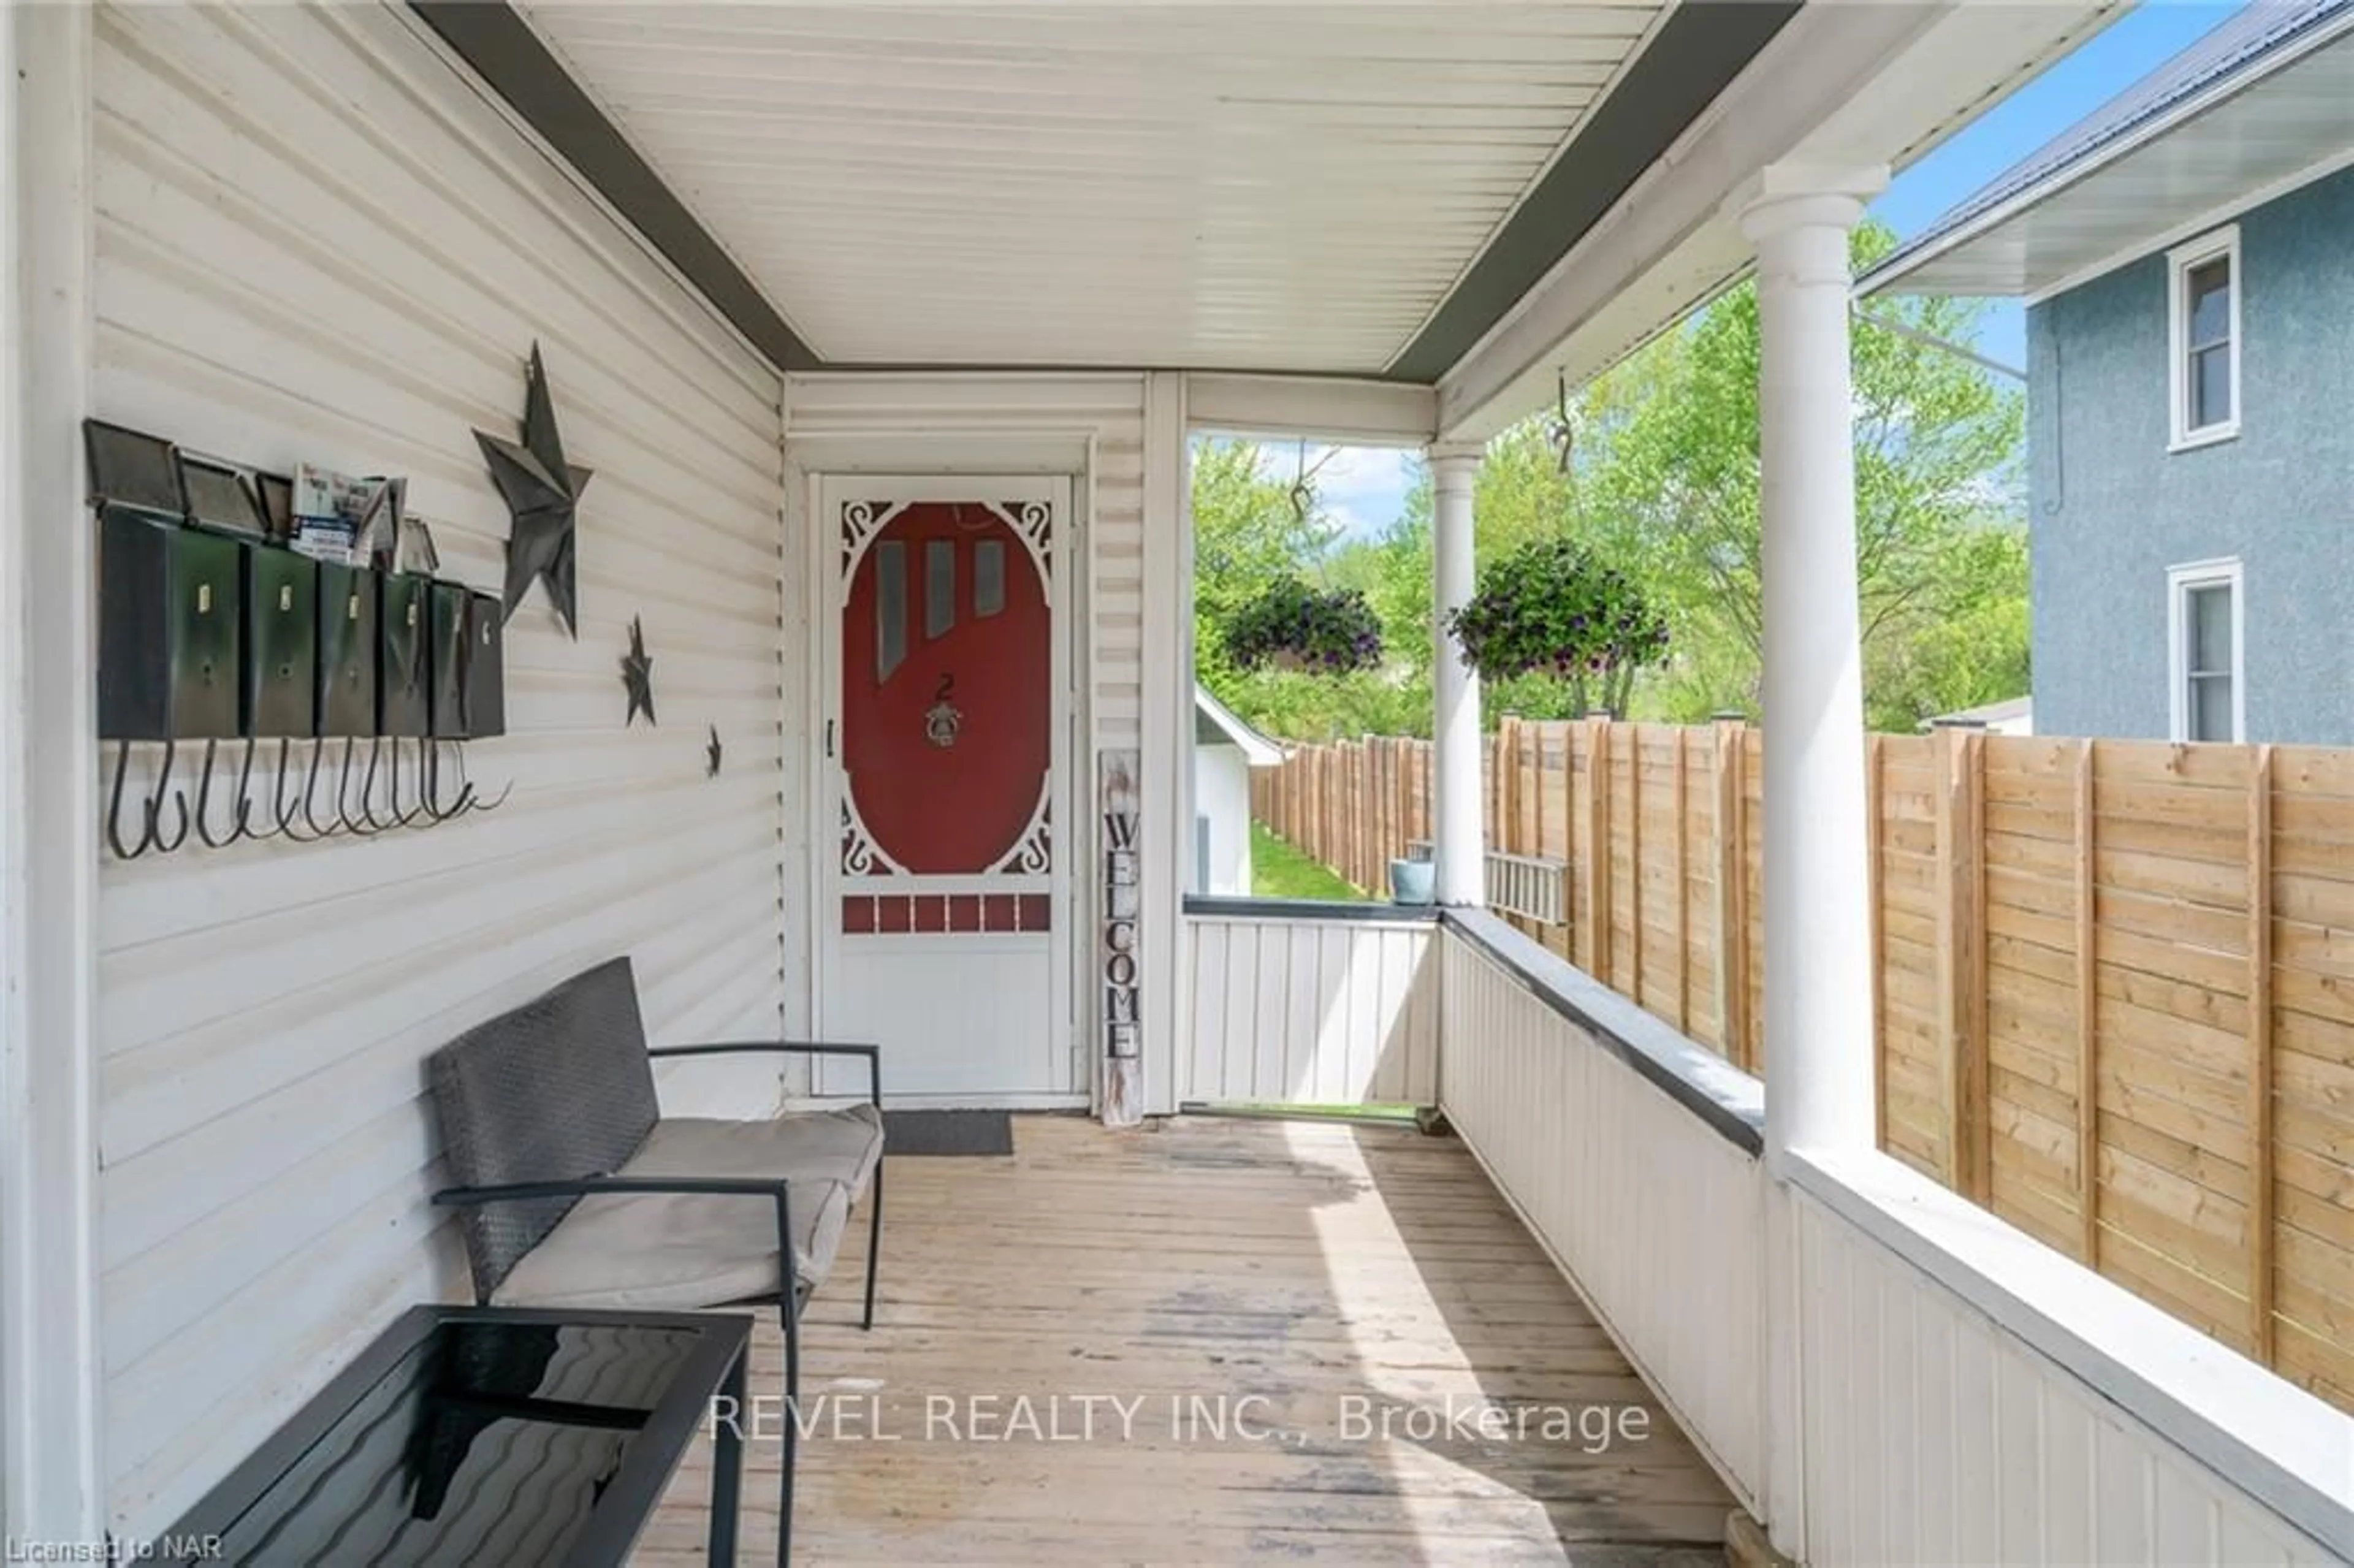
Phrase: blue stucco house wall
x=2111 y=509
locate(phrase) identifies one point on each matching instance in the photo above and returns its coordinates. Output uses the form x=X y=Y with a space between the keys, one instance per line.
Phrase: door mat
x=953 y=1132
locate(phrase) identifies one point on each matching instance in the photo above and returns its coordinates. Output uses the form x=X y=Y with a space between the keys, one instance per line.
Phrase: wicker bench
x=574 y=1191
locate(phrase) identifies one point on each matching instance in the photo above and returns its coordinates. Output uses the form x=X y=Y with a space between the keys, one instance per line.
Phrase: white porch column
x=51 y=1408
x=1818 y=1045
x=1457 y=834
x=1818 y=1026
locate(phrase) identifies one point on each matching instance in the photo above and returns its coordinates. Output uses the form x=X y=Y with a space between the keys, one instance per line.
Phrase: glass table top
x=486 y=1442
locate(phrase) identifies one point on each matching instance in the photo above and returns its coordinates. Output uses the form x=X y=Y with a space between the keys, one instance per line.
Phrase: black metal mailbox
x=169 y=632
x=486 y=666
x=452 y=649
x=281 y=642
x=347 y=653
x=403 y=705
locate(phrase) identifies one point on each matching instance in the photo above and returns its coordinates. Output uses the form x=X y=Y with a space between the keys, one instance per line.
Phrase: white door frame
x=830 y=586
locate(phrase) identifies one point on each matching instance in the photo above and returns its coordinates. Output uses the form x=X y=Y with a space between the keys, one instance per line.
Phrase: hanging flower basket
x=1552 y=607
x=1294 y=627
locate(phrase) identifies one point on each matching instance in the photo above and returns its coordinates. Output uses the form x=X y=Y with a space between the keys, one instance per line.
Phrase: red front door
x=943 y=877
x=947 y=720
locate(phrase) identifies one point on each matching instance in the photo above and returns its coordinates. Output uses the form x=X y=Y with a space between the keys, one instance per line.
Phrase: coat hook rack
x=212 y=629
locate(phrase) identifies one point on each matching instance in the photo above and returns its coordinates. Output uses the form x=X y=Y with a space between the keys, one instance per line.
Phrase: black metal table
x=487 y=1434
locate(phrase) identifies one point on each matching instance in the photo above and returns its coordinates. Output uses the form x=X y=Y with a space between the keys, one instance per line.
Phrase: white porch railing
x=1288 y=1004
x=1656 y=1215
x=1965 y=1393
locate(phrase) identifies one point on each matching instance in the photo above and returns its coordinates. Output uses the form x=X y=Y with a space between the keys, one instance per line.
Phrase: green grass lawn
x=1280 y=870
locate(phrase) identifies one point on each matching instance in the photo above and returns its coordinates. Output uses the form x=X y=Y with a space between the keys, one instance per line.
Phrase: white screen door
x=945 y=857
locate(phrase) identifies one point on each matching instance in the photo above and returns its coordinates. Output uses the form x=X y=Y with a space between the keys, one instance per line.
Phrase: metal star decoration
x=638 y=675
x=542 y=491
x=711 y=755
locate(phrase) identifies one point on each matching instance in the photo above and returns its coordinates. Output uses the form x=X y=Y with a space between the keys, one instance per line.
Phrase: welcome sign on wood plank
x=1116 y=792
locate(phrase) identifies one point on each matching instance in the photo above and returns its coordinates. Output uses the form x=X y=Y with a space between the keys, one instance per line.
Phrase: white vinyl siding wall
x=316 y=240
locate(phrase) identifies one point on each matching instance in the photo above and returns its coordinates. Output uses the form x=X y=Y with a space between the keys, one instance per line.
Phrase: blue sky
x=1364 y=489
x=2101 y=67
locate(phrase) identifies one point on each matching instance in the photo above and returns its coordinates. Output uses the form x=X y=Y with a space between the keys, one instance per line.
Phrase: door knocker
x=942 y=720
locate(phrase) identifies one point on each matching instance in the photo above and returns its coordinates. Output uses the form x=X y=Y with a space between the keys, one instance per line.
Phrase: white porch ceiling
x=1287 y=187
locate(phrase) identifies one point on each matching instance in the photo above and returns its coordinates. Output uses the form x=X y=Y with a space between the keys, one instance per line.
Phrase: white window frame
x=2180 y=261
x=2223 y=572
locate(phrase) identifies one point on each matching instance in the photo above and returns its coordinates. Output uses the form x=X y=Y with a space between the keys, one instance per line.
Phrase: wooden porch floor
x=1309 y=1276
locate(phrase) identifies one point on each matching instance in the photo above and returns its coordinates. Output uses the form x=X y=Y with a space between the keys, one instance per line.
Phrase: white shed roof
x=1222 y=722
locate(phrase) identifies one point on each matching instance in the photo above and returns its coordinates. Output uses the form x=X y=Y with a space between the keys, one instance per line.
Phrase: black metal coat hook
x=272 y=808
x=246 y=811
x=328 y=828
x=467 y=795
x=289 y=805
x=368 y=823
x=392 y=786
x=344 y=791
x=282 y=812
x=155 y=806
x=431 y=786
x=416 y=815
x=203 y=814
x=115 y=811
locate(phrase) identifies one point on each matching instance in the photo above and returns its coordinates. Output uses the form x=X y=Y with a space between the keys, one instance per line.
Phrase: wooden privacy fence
x=2161 y=933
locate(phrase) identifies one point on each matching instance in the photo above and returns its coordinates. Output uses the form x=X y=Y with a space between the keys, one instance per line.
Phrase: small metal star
x=542 y=492
x=711 y=755
x=638 y=676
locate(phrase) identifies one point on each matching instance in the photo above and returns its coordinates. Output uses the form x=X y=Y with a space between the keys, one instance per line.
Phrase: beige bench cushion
x=829 y=1145
x=693 y=1250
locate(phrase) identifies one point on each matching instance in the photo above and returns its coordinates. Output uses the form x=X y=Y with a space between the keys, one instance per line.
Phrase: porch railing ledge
x=2278 y=1443
x=1227 y=908
x=1728 y=1099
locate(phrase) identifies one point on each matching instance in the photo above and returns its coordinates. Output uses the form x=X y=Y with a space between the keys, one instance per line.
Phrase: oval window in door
x=946 y=699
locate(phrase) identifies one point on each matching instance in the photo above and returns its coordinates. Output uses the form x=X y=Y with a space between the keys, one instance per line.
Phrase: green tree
x=1660 y=479
x=1256 y=519
x=1936 y=453
x=1975 y=652
x=1246 y=533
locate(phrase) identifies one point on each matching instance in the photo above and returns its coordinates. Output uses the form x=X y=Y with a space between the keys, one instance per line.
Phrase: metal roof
x=1984 y=245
